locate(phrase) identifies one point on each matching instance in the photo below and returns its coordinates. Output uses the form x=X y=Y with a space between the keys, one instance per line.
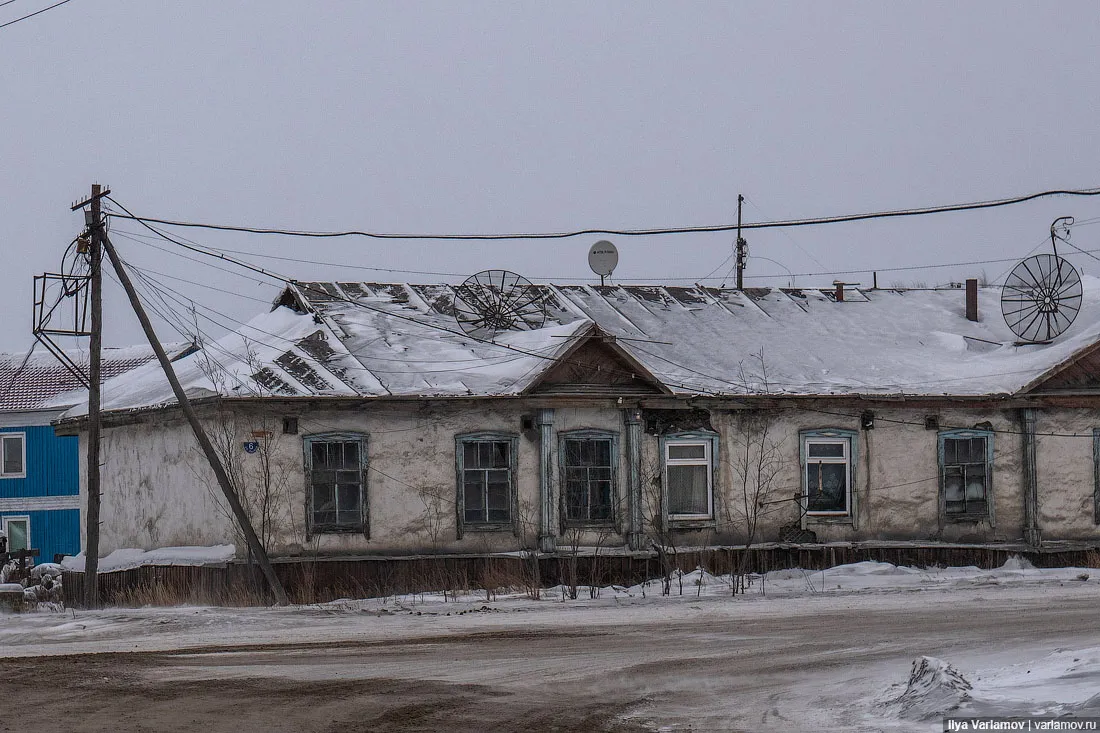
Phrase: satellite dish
x=602 y=258
x=1041 y=297
x=493 y=301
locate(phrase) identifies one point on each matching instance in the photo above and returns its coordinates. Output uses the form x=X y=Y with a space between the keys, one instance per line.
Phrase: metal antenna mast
x=742 y=247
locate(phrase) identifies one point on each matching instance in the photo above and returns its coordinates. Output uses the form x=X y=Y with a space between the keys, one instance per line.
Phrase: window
x=18 y=530
x=966 y=463
x=486 y=480
x=588 y=475
x=689 y=475
x=13 y=453
x=336 y=467
x=827 y=472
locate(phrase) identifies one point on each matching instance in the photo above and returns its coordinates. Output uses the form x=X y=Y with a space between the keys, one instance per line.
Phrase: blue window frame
x=828 y=459
x=486 y=474
x=966 y=474
x=589 y=473
x=336 y=482
x=690 y=461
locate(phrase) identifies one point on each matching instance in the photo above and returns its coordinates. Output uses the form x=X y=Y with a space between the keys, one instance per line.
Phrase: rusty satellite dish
x=493 y=301
x=1042 y=294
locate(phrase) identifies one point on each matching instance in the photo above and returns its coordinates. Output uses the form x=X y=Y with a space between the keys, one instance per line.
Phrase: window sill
x=487 y=527
x=966 y=518
x=691 y=523
x=329 y=529
x=830 y=519
x=609 y=525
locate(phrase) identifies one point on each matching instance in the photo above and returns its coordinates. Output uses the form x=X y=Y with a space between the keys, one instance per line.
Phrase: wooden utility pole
x=254 y=545
x=742 y=246
x=95 y=352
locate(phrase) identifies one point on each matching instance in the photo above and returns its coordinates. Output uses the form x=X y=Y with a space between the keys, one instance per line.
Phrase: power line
x=364 y=306
x=31 y=15
x=398 y=316
x=140 y=239
x=971 y=206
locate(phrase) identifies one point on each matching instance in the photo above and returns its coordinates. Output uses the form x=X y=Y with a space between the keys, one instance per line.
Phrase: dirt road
x=705 y=665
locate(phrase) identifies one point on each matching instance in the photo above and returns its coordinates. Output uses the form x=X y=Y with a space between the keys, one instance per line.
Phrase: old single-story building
x=361 y=418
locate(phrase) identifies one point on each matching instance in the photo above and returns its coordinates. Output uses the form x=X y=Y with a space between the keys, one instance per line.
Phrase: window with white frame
x=18 y=531
x=588 y=476
x=13 y=455
x=966 y=466
x=689 y=476
x=336 y=467
x=486 y=476
x=827 y=472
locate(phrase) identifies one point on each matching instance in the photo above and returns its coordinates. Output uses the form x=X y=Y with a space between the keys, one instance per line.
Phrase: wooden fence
x=318 y=580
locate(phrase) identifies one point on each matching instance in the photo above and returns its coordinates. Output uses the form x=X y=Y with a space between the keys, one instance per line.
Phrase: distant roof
x=376 y=339
x=45 y=383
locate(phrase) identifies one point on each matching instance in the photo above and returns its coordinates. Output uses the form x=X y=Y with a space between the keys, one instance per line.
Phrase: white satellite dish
x=602 y=258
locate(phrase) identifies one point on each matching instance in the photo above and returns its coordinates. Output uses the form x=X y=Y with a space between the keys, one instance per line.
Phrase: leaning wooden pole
x=235 y=505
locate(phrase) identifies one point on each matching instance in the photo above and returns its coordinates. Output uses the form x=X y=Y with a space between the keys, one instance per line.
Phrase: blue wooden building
x=40 y=471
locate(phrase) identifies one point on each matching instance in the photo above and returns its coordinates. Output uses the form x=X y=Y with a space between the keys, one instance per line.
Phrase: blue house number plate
x=251 y=446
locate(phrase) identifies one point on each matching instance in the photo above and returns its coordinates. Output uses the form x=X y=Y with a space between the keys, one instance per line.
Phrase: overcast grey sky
x=523 y=116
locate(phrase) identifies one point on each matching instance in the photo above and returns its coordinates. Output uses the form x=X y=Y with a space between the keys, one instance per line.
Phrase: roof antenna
x=603 y=258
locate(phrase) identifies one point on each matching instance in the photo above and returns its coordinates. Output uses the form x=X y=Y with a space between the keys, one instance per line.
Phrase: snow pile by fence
x=42 y=585
x=130 y=558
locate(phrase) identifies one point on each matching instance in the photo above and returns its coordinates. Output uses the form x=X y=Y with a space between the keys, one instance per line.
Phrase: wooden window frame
x=850 y=438
x=710 y=441
x=611 y=522
x=966 y=517
x=512 y=523
x=363 y=525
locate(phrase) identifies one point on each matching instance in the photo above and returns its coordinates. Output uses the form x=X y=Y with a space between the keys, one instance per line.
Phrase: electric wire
x=480 y=362
x=31 y=15
x=921 y=211
x=542 y=356
x=142 y=239
x=356 y=303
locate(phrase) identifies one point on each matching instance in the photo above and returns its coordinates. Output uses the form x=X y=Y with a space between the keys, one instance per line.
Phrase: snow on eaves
x=708 y=340
x=281 y=353
x=379 y=340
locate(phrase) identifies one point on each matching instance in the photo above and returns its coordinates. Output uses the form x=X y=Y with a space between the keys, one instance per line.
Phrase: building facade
x=356 y=418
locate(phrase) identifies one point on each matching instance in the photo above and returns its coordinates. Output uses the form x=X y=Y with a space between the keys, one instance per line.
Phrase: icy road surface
x=797 y=659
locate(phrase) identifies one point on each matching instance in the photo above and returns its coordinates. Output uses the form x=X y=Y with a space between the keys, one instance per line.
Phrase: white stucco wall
x=158 y=491
x=1066 y=473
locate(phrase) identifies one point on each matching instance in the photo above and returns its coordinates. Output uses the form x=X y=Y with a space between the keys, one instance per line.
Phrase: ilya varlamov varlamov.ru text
x=1022 y=724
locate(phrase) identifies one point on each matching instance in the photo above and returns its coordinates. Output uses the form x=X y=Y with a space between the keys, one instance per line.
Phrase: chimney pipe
x=972 y=299
x=839 y=291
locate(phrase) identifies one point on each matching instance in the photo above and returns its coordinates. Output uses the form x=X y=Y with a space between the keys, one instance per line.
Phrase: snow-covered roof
x=380 y=340
x=43 y=382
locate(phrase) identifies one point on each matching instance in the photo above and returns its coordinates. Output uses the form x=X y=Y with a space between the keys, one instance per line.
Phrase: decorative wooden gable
x=598 y=366
x=1080 y=373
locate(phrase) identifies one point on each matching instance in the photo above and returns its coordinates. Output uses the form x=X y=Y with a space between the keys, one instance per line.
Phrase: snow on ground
x=1021 y=676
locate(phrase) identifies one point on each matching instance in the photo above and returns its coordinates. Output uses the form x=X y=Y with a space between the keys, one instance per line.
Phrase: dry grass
x=165 y=594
